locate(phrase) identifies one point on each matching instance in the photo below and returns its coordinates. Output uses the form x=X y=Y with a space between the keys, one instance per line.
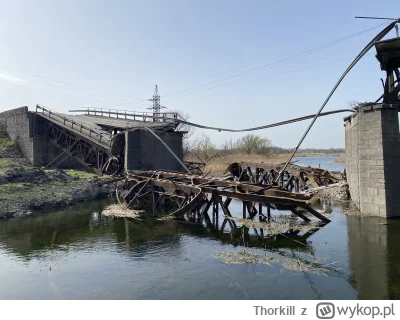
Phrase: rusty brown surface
x=295 y=178
x=191 y=193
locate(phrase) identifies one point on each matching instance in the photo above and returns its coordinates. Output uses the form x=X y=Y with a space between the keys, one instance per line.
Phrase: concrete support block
x=373 y=158
x=143 y=151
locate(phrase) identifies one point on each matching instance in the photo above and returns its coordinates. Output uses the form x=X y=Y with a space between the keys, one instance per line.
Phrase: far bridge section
x=102 y=142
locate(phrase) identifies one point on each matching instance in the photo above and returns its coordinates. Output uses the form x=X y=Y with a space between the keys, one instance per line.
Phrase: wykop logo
x=325 y=310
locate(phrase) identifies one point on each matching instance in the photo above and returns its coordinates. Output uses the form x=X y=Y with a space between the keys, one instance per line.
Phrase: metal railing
x=128 y=115
x=103 y=138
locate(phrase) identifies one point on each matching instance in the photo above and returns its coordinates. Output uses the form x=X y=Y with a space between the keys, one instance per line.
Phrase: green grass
x=83 y=174
x=80 y=174
x=7 y=163
x=46 y=191
x=5 y=141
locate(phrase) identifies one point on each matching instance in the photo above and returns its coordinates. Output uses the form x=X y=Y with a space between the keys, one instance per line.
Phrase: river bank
x=24 y=189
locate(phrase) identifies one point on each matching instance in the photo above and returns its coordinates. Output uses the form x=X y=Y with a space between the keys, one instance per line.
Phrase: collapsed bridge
x=182 y=194
x=103 y=141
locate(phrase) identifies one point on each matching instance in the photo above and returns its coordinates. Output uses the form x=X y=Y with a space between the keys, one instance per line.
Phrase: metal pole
x=360 y=55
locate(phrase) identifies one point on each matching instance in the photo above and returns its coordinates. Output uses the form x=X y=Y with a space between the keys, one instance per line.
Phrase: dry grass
x=340 y=160
x=220 y=164
x=240 y=257
x=119 y=211
x=356 y=213
x=276 y=226
x=246 y=256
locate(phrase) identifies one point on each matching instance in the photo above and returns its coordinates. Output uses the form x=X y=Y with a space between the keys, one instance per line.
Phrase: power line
x=43 y=53
x=378 y=37
x=263 y=77
x=302 y=52
x=277 y=124
x=49 y=84
x=288 y=59
x=16 y=85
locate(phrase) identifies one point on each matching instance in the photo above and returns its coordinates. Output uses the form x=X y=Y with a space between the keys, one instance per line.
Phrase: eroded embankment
x=23 y=190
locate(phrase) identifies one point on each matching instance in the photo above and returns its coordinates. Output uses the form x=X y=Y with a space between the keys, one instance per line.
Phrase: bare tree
x=252 y=144
x=204 y=148
x=188 y=142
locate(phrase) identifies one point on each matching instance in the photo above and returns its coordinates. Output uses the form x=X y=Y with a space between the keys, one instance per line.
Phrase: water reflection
x=72 y=227
x=374 y=251
x=93 y=256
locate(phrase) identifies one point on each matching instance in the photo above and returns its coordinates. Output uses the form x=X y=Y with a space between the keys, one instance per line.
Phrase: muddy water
x=77 y=253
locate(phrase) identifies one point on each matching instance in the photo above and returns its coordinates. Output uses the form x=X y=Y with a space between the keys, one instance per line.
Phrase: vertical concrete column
x=373 y=159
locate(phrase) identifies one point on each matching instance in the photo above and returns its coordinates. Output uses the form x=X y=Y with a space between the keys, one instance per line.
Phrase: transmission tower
x=156 y=104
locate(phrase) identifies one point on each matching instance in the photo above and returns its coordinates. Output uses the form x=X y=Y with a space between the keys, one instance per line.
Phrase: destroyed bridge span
x=123 y=143
x=107 y=124
x=105 y=141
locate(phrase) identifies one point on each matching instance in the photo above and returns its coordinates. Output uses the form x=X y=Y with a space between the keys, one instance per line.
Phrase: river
x=76 y=253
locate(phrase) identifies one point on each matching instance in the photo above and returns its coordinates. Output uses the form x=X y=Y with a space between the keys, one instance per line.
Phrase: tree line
x=250 y=144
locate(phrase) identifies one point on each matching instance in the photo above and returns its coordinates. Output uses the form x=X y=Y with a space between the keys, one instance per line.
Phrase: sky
x=234 y=64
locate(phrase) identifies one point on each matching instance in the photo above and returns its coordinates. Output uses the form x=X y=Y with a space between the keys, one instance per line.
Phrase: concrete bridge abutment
x=373 y=159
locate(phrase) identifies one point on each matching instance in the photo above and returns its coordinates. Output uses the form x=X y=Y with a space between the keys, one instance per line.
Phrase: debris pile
x=180 y=194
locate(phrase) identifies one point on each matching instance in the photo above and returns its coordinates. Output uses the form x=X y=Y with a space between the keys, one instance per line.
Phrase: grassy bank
x=5 y=142
x=24 y=188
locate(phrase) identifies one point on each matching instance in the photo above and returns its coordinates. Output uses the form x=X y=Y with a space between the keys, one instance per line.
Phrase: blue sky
x=222 y=62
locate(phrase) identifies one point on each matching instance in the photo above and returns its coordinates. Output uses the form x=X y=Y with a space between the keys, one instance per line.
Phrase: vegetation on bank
x=10 y=158
x=80 y=174
x=249 y=146
x=5 y=141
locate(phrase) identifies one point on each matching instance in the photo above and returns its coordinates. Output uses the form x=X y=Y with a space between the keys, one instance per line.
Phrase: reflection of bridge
x=374 y=257
x=37 y=234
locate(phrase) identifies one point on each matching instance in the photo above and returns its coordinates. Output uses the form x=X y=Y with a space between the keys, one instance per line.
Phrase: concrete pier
x=373 y=159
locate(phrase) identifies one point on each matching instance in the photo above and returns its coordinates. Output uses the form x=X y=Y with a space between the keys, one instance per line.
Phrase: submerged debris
x=276 y=226
x=292 y=264
x=242 y=257
x=357 y=213
x=119 y=211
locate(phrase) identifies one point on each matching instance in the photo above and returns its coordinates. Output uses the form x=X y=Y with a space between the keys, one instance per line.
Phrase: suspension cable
x=265 y=126
x=378 y=37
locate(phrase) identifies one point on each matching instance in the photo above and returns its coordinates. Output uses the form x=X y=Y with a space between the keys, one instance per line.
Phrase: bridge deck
x=97 y=128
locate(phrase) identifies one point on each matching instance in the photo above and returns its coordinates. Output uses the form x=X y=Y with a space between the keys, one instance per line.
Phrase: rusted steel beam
x=316 y=213
x=207 y=182
x=297 y=213
x=194 y=189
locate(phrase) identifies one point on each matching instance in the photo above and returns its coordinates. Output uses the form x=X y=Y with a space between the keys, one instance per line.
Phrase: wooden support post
x=251 y=209
x=316 y=214
x=207 y=206
x=216 y=212
x=213 y=215
x=207 y=219
x=297 y=213
x=269 y=212
x=244 y=209
x=227 y=202
x=224 y=208
x=260 y=208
